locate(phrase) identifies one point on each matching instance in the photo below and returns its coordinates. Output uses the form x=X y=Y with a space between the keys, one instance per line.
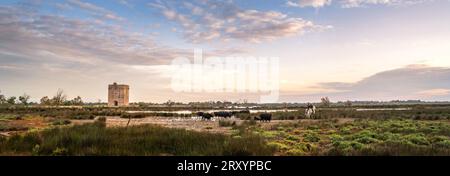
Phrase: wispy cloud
x=309 y=3
x=434 y=92
x=351 y=3
x=81 y=40
x=411 y=82
x=125 y=3
x=224 y=21
x=53 y=42
x=96 y=10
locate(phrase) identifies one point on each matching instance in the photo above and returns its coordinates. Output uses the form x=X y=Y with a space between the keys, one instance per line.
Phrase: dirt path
x=170 y=122
x=201 y=125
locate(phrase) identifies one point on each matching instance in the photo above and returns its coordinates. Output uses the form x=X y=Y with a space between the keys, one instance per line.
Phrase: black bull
x=223 y=114
x=264 y=117
x=206 y=116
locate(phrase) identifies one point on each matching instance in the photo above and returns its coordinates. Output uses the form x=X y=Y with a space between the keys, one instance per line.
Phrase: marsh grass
x=96 y=139
x=330 y=113
x=361 y=137
x=227 y=123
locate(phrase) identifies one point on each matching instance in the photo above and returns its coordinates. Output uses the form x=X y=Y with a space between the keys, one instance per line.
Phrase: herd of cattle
x=263 y=117
x=228 y=114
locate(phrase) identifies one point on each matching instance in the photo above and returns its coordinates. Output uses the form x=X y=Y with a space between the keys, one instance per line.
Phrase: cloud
x=364 y=3
x=41 y=52
x=434 y=92
x=224 y=21
x=52 y=42
x=59 y=45
x=96 y=10
x=125 y=3
x=309 y=3
x=351 y=3
x=411 y=82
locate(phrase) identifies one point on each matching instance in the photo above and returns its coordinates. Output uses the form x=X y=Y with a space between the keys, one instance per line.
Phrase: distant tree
x=11 y=100
x=2 y=99
x=348 y=103
x=77 y=101
x=45 y=101
x=169 y=103
x=59 y=98
x=325 y=101
x=24 y=99
x=142 y=104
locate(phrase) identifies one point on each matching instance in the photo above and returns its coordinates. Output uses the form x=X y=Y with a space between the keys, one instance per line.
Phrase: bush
x=443 y=144
x=60 y=152
x=311 y=137
x=418 y=139
x=101 y=119
x=248 y=145
x=61 y=122
x=226 y=123
x=133 y=116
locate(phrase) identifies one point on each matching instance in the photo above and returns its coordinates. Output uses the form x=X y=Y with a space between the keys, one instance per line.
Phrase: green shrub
x=101 y=119
x=133 y=115
x=248 y=145
x=226 y=123
x=292 y=138
x=60 y=152
x=311 y=137
x=356 y=145
x=443 y=144
x=61 y=122
x=418 y=139
x=295 y=152
x=366 y=140
x=278 y=145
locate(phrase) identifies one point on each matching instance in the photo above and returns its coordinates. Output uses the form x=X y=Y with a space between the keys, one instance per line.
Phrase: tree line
x=59 y=99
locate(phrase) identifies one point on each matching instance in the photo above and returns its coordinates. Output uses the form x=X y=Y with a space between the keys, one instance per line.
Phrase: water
x=212 y=111
x=174 y=112
x=383 y=109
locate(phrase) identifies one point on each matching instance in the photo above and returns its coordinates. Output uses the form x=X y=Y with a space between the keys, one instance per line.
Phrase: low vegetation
x=361 y=137
x=420 y=130
x=416 y=113
x=96 y=139
x=227 y=123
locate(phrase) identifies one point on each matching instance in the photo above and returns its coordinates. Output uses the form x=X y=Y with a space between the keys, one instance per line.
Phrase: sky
x=344 y=49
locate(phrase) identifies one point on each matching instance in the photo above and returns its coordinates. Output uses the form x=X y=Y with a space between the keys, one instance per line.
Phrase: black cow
x=244 y=111
x=223 y=114
x=205 y=116
x=200 y=113
x=264 y=117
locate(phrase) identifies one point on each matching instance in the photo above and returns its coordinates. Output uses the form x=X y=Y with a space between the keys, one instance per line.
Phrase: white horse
x=310 y=111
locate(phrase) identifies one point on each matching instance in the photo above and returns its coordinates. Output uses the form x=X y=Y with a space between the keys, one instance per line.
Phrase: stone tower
x=118 y=95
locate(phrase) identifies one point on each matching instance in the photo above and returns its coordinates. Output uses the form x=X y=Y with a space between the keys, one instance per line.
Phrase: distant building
x=118 y=95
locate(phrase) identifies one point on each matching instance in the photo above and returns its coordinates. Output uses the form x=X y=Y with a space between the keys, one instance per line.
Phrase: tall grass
x=328 y=113
x=95 y=139
x=361 y=137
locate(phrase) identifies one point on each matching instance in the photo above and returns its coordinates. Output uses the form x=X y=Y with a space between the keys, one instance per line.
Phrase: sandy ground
x=171 y=122
x=195 y=124
x=23 y=125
